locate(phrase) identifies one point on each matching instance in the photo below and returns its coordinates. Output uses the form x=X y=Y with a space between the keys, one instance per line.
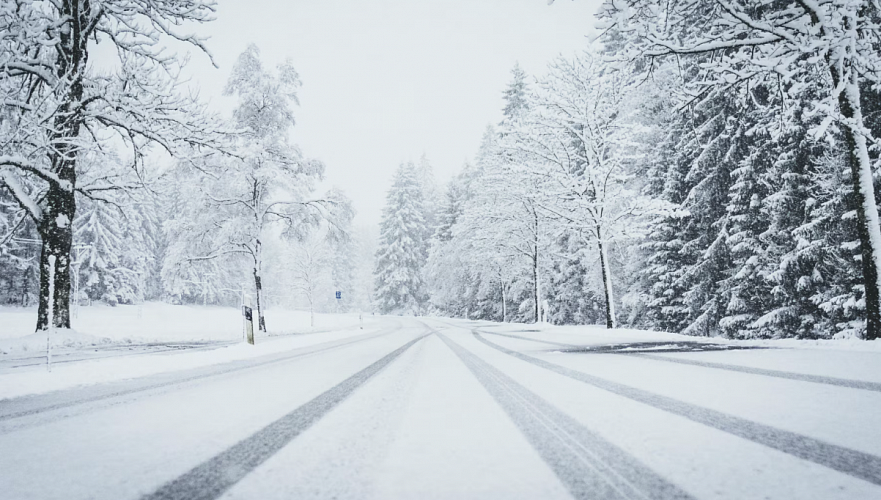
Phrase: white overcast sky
x=385 y=81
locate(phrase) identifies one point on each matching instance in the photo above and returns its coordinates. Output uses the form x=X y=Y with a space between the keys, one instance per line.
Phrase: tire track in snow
x=33 y=405
x=819 y=379
x=851 y=462
x=587 y=464
x=214 y=477
x=803 y=377
x=101 y=352
x=520 y=337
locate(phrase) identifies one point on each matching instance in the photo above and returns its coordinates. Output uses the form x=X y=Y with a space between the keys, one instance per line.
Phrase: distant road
x=431 y=408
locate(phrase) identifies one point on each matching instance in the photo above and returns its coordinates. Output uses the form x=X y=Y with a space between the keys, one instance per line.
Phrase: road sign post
x=249 y=324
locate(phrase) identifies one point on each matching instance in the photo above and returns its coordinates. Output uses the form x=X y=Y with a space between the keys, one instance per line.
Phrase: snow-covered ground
x=438 y=408
x=599 y=335
x=158 y=321
x=152 y=323
x=115 y=343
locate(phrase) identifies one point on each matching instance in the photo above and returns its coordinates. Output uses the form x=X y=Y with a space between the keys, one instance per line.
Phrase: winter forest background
x=704 y=167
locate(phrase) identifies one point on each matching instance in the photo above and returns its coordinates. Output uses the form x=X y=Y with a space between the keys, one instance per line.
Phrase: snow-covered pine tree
x=515 y=94
x=19 y=253
x=798 y=49
x=814 y=272
x=431 y=197
x=98 y=243
x=748 y=288
x=402 y=252
x=573 y=283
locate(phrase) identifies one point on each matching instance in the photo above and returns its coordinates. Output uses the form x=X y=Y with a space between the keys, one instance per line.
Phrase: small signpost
x=339 y=295
x=249 y=324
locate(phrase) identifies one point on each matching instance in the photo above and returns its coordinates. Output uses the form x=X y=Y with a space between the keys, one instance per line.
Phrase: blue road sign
x=339 y=295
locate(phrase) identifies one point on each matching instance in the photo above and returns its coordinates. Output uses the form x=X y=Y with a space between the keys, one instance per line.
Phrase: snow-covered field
x=116 y=343
x=155 y=322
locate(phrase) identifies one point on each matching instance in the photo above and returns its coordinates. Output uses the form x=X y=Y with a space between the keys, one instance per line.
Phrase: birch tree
x=311 y=271
x=265 y=182
x=579 y=141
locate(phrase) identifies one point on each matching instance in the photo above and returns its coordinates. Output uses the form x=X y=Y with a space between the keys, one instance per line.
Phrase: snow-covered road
x=428 y=408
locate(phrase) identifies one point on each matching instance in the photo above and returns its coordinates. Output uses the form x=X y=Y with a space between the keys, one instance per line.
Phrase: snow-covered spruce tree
x=748 y=289
x=400 y=259
x=448 y=275
x=688 y=254
x=664 y=262
x=98 y=234
x=264 y=182
x=56 y=107
x=573 y=283
x=796 y=46
x=452 y=284
x=431 y=197
x=19 y=253
x=114 y=250
x=515 y=94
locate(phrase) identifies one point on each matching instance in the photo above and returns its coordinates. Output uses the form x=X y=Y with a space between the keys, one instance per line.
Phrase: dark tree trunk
x=56 y=233
x=535 y=287
x=504 y=304
x=258 y=283
x=607 y=283
x=56 y=225
x=536 y=278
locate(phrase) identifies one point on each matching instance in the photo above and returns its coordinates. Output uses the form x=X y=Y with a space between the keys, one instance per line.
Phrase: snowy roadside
x=131 y=334
x=850 y=344
x=595 y=335
x=88 y=372
x=102 y=325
